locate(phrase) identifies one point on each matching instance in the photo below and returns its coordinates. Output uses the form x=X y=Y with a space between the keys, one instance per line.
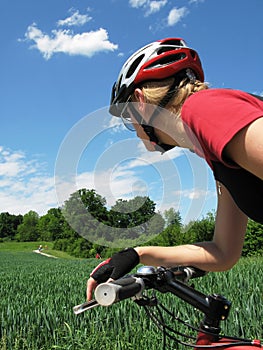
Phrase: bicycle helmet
x=156 y=61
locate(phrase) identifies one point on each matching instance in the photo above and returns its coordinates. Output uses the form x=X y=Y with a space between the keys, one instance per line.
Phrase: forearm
x=218 y=255
x=206 y=256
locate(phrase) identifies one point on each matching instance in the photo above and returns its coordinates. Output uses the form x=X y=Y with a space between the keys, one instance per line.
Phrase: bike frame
x=205 y=341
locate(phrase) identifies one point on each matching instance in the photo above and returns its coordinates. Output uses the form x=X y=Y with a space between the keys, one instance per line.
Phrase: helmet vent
x=193 y=53
x=117 y=88
x=173 y=42
x=165 y=49
x=164 y=61
x=134 y=65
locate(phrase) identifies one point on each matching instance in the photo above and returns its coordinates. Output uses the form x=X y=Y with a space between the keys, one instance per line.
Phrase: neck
x=170 y=130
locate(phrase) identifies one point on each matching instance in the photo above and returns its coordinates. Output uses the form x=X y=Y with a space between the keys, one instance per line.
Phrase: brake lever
x=78 y=309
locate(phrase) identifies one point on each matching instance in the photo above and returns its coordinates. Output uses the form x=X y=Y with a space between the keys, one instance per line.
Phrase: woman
x=161 y=92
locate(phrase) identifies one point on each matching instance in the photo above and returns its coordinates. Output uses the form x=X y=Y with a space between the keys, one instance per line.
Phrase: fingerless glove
x=117 y=266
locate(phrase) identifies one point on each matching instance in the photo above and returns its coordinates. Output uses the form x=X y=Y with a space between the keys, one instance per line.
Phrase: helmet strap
x=148 y=129
x=163 y=147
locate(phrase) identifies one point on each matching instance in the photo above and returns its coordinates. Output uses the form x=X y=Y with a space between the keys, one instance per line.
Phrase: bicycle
x=215 y=308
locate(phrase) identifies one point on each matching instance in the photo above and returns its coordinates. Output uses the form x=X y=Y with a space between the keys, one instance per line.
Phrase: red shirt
x=215 y=116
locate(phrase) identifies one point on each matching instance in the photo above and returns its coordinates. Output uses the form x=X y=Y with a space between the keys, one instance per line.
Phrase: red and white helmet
x=156 y=61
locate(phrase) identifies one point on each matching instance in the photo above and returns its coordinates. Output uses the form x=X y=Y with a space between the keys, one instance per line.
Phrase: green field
x=38 y=293
x=28 y=247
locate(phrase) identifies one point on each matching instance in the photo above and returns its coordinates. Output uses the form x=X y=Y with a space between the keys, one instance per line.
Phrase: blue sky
x=58 y=62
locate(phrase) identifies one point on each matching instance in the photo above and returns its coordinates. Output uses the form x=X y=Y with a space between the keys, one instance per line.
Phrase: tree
x=172 y=217
x=133 y=212
x=27 y=230
x=253 y=244
x=84 y=211
x=134 y=217
x=203 y=230
x=51 y=225
x=9 y=224
x=155 y=225
x=94 y=204
x=168 y=238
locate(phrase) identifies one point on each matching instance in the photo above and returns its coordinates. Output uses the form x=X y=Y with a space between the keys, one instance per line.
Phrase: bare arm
x=246 y=148
x=218 y=255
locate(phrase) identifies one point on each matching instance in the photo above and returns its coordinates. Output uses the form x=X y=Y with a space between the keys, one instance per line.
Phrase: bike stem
x=215 y=307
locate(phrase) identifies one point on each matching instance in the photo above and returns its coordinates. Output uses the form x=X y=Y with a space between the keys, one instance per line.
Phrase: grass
x=28 y=247
x=38 y=293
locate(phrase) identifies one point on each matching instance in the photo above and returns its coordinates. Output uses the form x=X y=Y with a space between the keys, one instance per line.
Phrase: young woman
x=161 y=92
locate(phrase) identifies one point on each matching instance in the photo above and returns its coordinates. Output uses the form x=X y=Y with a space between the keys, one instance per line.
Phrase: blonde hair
x=154 y=92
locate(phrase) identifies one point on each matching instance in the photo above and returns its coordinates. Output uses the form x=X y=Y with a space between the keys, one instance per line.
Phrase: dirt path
x=41 y=253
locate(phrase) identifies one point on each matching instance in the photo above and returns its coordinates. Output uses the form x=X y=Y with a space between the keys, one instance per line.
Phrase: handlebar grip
x=109 y=293
x=195 y=272
x=188 y=272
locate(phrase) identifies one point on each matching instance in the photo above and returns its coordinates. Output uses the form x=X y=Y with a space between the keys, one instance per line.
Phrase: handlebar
x=107 y=294
x=173 y=280
x=215 y=307
x=146 y=277
x=169 y=280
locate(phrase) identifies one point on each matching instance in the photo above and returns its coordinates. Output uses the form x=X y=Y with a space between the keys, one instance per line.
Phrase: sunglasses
x=126 y=113
x=126 y=116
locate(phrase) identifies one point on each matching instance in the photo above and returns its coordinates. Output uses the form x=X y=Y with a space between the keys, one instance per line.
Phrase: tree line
x=84 y=226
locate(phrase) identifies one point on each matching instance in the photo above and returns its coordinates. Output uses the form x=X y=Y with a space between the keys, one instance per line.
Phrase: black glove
x=117 y=266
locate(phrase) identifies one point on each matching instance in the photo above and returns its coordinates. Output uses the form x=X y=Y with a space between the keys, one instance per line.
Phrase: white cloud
x=123 y=178
x=194 y=193
x=258 y=93
x=155 y=6
x=65 y=41
x=11 y=164
x=76 y=19
x=115 y=124
x=149 y=6
x=137 y=3
x=195 y=1
x=144 y=158
x=111 y=184
x=175 y=15
x=23 y=184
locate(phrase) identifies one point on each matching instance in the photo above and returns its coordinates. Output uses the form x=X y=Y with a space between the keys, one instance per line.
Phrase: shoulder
x=214 y=116
x=220 y=104
x=216 y=95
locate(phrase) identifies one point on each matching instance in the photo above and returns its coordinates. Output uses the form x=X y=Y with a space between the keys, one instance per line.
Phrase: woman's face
x=158 y=124
x=144 y=137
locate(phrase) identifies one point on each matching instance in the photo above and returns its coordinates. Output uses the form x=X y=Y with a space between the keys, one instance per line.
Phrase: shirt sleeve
x=214 y=116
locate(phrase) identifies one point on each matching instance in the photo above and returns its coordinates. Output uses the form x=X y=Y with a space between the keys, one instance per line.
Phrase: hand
x=113 y=268
x=91 y=285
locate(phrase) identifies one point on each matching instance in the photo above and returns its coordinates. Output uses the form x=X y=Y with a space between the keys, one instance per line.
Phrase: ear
x=140 y=99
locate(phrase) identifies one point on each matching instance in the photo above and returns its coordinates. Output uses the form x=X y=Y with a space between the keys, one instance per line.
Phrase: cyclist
x=161 y=92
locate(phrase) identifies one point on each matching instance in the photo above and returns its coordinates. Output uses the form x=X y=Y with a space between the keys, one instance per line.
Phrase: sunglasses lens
x=128 y=123
x=126 y=118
